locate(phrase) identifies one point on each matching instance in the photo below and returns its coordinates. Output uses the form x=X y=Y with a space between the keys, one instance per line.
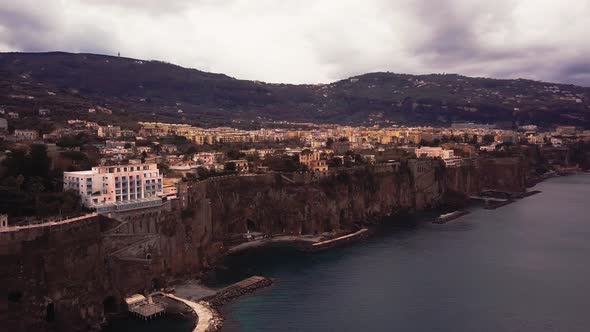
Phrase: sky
x=317 y=41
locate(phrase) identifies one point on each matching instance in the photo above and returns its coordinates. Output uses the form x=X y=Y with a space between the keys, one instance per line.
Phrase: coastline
x=313 y=243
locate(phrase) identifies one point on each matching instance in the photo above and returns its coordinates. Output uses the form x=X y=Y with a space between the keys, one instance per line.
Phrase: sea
x=522 y=267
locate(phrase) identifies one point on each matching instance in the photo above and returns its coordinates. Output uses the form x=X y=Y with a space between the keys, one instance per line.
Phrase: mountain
x=135 y=90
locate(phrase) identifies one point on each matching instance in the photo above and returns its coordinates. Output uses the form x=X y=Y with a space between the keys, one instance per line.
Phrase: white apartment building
x=435 y=152
x=448 y=156
x=26 y=135
x=117 y=187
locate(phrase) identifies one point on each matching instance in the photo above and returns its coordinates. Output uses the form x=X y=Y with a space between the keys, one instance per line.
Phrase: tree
x=15 y=163
x=329 y=142
x=164 y=168
x=282 y=163
x=39 y=162
x=230 y=167
x=488 y=139
x=203 y=173
x=234 y=154
x=252 y=158
x=35 y=185
x=191 y=150
x=78 y=140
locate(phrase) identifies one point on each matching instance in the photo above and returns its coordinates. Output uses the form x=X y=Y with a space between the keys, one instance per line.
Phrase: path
x=204 y=314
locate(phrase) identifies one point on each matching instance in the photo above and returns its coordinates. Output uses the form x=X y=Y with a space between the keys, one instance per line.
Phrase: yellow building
x=312 y=160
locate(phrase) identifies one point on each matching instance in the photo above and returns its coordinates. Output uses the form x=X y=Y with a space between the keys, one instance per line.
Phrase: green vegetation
x=29 y=188
x=283 y=163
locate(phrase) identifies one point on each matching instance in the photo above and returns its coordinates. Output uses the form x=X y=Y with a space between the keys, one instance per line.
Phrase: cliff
x=53 y=278
x=62 y=278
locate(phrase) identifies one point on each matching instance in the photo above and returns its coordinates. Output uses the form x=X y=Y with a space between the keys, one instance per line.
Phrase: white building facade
x=448 y=156
x=435 y=152
x=116 y=187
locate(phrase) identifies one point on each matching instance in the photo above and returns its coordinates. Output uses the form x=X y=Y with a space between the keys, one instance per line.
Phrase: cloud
x=316 y=41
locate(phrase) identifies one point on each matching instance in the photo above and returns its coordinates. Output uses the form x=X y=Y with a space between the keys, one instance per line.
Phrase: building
x=566 y=130
x=117 y=187
x=109 y=131
x=26 y=135
x=341 y=147
x=448 y=156
x=3 y=221
x=241 y=165
x=312 y=160
x=556 y=142
x=434 y=152
x=3 y=125
x=506 y=139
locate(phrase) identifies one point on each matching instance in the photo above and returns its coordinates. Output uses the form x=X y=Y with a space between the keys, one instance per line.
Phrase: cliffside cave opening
x=50 y=312
x=110 y=304
x=328 y=226
x=15 y=296
x=251 y=225
x=157 y=283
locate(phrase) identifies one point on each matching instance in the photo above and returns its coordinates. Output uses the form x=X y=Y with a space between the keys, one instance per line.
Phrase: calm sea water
x=523 y=267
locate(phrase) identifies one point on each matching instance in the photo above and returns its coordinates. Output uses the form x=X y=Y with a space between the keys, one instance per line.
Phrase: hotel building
x=118 y=187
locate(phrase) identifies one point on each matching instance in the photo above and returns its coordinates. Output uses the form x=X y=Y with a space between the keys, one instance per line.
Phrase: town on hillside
x=82 y=166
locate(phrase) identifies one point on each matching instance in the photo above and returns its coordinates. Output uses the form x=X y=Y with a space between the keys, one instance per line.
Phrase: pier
x=488 y=199
x=339 y=240
x=445 y=218
x=239 y=289
x=494 y=199
x=207 y=319
x=144 y=308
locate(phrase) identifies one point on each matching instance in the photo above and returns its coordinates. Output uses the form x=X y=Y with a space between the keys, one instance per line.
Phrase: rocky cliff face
x=506 y=174
x=53 y=278
x=274 y=204
x=66 y=278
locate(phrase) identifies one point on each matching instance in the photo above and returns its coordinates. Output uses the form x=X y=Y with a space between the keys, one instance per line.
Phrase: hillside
x=134 y=90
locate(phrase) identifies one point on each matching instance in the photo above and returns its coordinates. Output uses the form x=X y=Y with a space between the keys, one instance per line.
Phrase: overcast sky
x=313 y=41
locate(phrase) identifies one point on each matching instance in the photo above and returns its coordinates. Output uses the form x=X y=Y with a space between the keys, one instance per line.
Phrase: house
x=312 y=160
x=26 y=135
x=109 y=131
x=241 y=165
x=3 y=125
